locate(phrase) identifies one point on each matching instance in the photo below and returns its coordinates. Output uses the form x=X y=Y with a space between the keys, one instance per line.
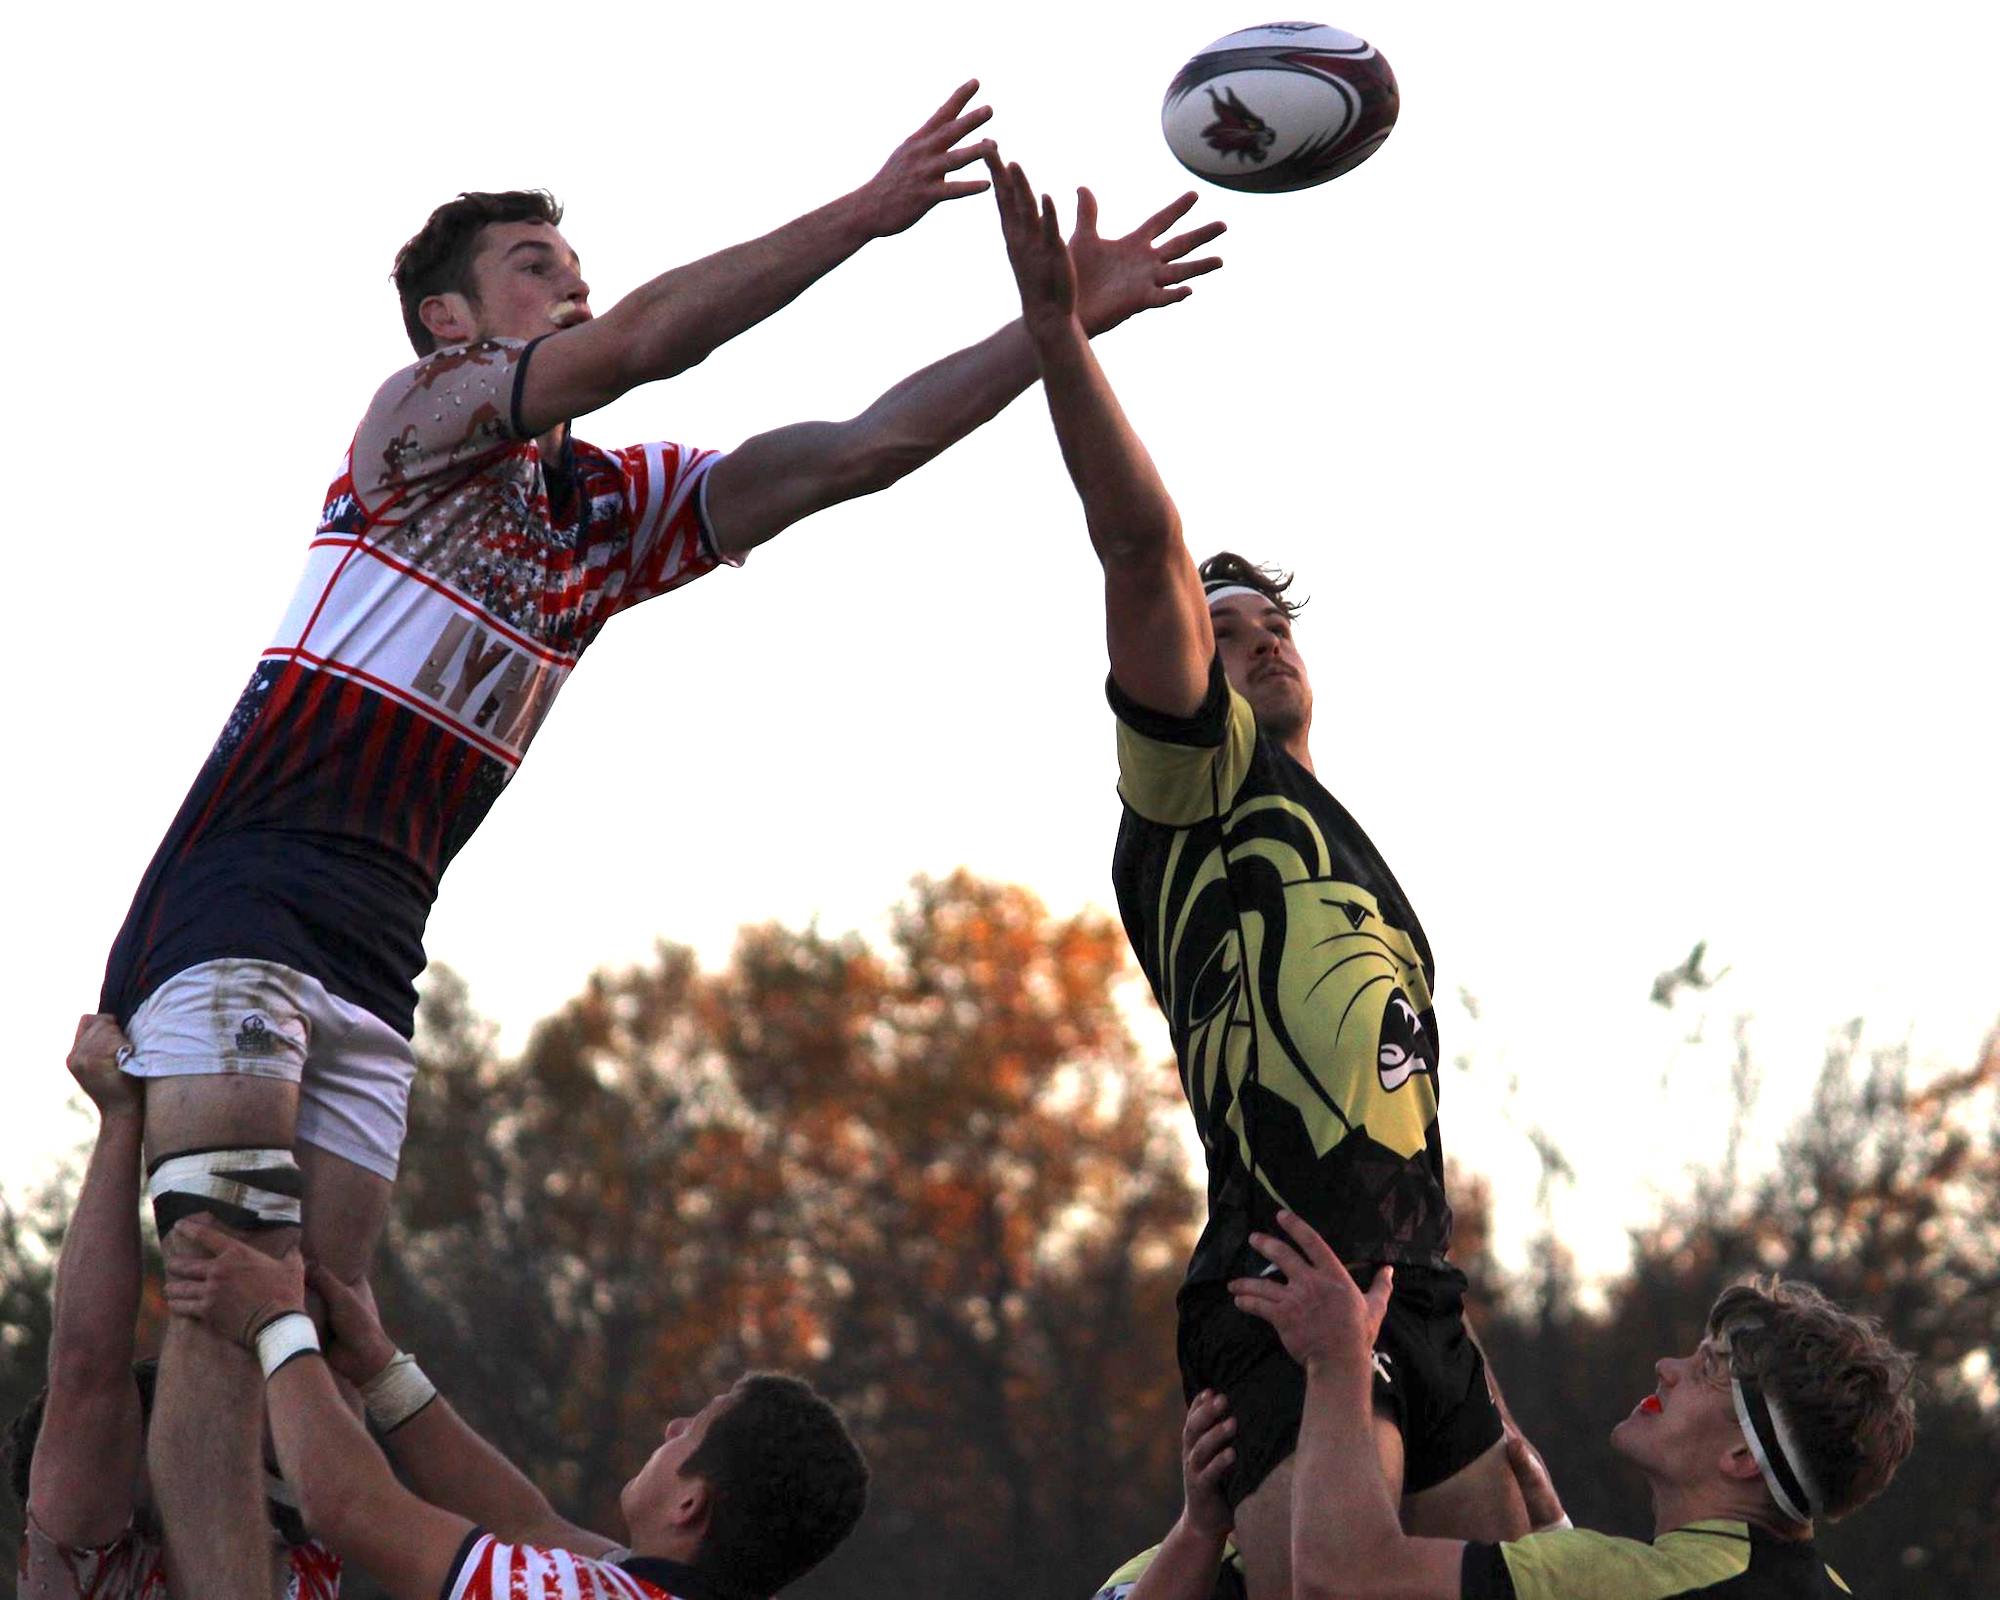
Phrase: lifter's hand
x=1117 y=277
x=914 y=178
x=1206 y=1456
x=1316 y=1308
x=356 y=1346
x=1043 y=270
x=217 y=1279
x=93 y=1062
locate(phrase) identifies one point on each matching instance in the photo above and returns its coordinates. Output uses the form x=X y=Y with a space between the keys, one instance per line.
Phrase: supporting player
x=468 y=553
x=1294 y=976
x=1790 y=1411
x=76 y=1453
x=750 y=1493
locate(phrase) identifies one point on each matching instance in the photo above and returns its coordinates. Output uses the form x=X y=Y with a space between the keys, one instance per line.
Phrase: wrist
x=283 y=1339
x=396 y=1393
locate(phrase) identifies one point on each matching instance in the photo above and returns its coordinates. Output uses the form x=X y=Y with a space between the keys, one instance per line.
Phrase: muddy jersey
x=133 y=1567
x=1716 y=1560
x=491 y=1569
x=456 y=576
x=1296 y=984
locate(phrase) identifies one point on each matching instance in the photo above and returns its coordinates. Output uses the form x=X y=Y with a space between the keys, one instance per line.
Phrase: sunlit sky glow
x=1629 y=418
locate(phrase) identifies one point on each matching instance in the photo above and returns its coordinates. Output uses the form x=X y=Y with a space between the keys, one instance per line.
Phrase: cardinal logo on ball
x=1237 y=130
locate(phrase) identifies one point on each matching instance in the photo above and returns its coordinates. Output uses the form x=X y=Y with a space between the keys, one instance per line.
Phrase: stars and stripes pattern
x=493 y=1570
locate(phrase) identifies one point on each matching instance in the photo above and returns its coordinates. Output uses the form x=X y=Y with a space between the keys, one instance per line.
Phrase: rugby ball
x=1280 y=107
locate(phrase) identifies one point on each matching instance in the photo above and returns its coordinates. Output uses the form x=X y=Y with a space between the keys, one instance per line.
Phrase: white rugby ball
x=1280 y=107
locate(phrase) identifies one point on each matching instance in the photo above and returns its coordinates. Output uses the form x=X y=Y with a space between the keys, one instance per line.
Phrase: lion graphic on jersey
x=1334 y=996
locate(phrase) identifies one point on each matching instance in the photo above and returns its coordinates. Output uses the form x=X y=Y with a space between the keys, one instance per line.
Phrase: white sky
x=1630 y=418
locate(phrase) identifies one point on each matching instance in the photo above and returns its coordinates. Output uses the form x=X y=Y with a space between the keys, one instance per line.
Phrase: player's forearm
x=342 y=1480
x=1184 y=1567
x=1131 y=517
x=1347 y=1539
x=679 y=318
x=447 y=1462
x=97 y=1280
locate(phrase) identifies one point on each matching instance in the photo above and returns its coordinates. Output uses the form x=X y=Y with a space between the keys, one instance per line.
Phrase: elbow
x=85 y=1366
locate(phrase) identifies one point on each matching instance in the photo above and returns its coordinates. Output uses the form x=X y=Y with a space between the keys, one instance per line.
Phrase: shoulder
x=131 y=1564
x=314 y=1572
x=1181 y=770
x=1574 y=1563
x=492 y=1569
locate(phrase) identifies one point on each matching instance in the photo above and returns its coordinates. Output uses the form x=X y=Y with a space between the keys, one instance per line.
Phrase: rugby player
x=1294 y=976
x=1789 y=1412
x=469 y=550
x=76 y=1453
x=748 y=1494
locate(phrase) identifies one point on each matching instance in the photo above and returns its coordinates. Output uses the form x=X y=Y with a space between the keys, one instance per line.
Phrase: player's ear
x=1737 y=1462
x=692 y=1504
x=449 y=317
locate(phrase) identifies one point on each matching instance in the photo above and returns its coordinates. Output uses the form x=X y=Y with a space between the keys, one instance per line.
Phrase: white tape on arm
x=283 y=1338
x=397 y=1393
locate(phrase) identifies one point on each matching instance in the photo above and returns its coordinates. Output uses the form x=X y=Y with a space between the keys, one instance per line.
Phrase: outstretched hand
x=216 y=1279
x=1316 y=1308
x=94 y=1056
x=1131 y=273
x=915 y=177
x=1043 y=270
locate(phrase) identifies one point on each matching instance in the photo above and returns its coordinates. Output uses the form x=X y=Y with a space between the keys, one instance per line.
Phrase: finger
x=959 y=127
x=1311 y=1245
x=1212 y=1473
x=1280 y=1254
x=953 y=104
x=1379 y=1292
x=966 y=155
x=1181 y=272
x=189 y=1269
x=1264 y=1310
x=958 y=191
x=1051 y=224
x=1193 y=239
x=204 y=1235
x=1086 y=214
x=1165 y=217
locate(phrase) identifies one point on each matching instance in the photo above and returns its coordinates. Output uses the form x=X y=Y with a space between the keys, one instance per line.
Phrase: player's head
x=490 y=266
x=1253 y=634
x=26 y=1429
x=1790 y=1403
x=761 y=1485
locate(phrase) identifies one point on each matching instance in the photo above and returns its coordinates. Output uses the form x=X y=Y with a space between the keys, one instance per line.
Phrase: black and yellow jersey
x=1717 y=1560
x=1228 y=1578
x=1296 y=984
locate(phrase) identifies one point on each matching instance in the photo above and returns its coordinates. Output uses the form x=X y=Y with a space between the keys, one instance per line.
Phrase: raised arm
x=676 y=320
x=1156 y=624
x=443 y=1458
x=1186 y=1563
x=80 y=1480
x=773 y=480
x=349 y=1498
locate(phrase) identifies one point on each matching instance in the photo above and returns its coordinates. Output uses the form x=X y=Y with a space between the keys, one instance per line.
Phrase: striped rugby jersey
x=491 y=1569
x=456 y=576
x=133 y=1567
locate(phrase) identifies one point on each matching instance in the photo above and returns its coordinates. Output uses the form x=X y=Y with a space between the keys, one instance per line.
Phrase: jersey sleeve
x=1579 y=1564
x=129 y=1566
x=434 y=420
x=1180 y=770
x=489 y=1569
x=666 y=493
x=1228 y=1577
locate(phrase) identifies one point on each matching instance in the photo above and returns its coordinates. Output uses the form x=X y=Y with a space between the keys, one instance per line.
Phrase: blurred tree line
x=939 y=1180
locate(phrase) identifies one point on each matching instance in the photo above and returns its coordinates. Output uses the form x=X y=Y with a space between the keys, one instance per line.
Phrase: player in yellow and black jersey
x=1294 y=975
x=1790 y=1412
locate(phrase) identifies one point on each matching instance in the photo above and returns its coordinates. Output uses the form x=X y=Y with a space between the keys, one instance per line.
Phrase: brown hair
x=1226 y=566
x=439 y=259
x=787 y=1483
x=1846 y=1391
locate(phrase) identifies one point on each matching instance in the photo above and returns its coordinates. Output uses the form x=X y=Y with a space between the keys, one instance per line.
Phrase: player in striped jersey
x=75 y=1454
x=470 y=549
x=739 y=1500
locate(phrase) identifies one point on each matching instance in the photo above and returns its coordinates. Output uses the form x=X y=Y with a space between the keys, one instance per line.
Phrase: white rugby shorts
x=255 y=1017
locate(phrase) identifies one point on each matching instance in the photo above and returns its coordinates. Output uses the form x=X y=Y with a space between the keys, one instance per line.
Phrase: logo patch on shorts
x=255 y=1037
x=1382 y=1368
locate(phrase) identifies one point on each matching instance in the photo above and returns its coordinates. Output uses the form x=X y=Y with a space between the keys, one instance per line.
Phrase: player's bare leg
x=205 y=1445
x=1263 y=1533
x=345 y=1208
x=1480 y=1501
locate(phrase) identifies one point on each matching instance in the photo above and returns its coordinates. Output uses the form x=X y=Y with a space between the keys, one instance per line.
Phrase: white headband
x=1778 y=1455
x=1228 y=591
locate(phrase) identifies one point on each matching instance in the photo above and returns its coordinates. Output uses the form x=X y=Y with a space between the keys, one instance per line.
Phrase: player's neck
x=1299 y=749
x=1678 y=1505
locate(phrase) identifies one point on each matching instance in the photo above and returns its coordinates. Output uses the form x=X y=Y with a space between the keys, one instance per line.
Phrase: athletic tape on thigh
x=248 y=1189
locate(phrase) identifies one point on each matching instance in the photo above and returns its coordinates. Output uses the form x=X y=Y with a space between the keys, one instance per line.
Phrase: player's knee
x=252 y=1192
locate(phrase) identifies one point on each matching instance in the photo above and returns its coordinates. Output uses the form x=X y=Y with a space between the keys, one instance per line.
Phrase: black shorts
x=1430 y=1379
